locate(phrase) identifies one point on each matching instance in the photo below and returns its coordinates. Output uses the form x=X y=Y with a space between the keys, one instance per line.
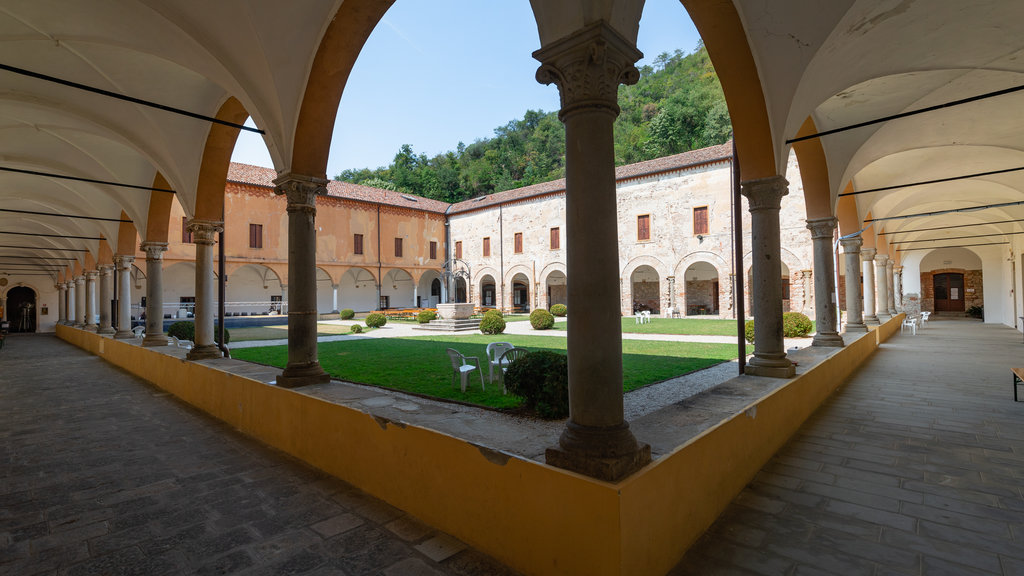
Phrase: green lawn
x=421 y=366
x=705 y=327
x=280 y=332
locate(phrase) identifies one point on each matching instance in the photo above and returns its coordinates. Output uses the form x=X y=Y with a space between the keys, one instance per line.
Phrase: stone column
x=62 y=305
x=868 y=259
x=854 y=310
x=303 y=367
x=80 y=309
x=204 y=234
x=334 y=297
x=898 y=287
x=90 y=300
x=154 y=294
x=764 y=196
x=123 y=265
x=106 y=295
x=882 y=289
x=890 y=285
x=672 y=292
x=587 y=67
x=822 y=232
x=72 y=303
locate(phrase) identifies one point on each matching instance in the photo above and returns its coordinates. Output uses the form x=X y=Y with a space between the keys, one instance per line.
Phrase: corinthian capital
x=154 y=250
x=765 y=193
x=204 y=231
x=300 y=190
x=851 y=245
x=822 y=227
x=588 y=66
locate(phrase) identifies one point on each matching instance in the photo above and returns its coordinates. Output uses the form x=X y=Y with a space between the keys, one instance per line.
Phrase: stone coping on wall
x=535 y=518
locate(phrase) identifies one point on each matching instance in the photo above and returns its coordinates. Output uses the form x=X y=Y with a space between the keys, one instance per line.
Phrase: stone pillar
x=672 y=292
x=822 y=232
x=764 y=196
x=882 y=288
x=90 y=300
x=62 y=305
x=204 y=234
x=106 y=295
x=854 y=310
x=898 y=287
x=123 y=264
x=303 y=367
x=154 y=294
x=80 y=309
x=72 y=303
x=890 y=285
x=587 y=67
x=868 y=259
x=334 y=297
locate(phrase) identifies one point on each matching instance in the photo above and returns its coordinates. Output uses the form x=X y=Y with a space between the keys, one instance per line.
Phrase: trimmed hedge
x=376 y=320
x=186 y=330
x=356 y=329
x=541 y=379
x=426 y=316
x=559 y=310
x=347 y=314
x=492 y=323
x=794 y=325
x=541 y=319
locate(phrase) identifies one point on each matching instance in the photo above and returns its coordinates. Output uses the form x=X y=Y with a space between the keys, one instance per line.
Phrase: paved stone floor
x=101 y=473
x=915 y=466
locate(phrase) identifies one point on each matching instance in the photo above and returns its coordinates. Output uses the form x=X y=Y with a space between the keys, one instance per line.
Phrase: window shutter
x=643 y=227
x=398 y=247
x=555 y=240
x=700 y=220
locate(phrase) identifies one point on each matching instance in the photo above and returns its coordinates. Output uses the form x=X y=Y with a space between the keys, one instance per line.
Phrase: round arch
x=22 y=308
x=253 y=290
x=357 y=290
x=397 y=289
x=702 y=289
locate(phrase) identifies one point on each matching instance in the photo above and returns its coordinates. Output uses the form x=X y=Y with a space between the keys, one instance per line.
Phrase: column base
x=124 y=335
x=92 y=328
x=608 y=454
x=208 y=352
x=883 y=318
x=828 y=340
x=780 y=367
x=871 y=319
x=858 y=327
x=154 y=340
x=892 y=312
x=295 y=376
x=107 y=330
x=78 y=325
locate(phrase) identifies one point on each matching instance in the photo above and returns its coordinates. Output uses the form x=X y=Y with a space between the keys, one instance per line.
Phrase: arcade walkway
x=916 y=466
x=101 y=473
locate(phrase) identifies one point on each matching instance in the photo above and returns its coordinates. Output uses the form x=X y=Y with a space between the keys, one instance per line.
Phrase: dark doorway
x=714 y=297
x=21 y=309
x=949 y=292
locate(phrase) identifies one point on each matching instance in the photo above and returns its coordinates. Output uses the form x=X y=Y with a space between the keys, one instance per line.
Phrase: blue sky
x=437 y=72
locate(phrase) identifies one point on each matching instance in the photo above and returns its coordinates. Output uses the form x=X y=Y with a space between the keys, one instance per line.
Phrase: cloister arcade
x=905 y=137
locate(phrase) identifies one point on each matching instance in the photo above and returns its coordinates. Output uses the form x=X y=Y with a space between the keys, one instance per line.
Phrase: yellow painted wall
x=535 y=518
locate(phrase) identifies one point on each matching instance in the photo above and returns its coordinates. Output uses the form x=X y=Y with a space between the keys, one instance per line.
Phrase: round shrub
x=356 y=329
x=559 y=310
x=376 y=320
x=492 y=322
x=541 y=379
x=186 y=330
x=347 y=314
x=541 y=319
x=748 y=331
x=426 y=316
x=796 y=325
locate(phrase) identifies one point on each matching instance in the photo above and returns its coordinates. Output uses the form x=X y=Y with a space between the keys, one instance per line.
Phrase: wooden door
x=949 y=292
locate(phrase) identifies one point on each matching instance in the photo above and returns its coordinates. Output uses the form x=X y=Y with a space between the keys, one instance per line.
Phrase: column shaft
x=868 y=258
x=822 y=231
x=154 y=294
x=890 y=284
x=90 y=301
x=588 y=67
x=204 y=234
x=898 y=287
x=106 y=295
x=854 y=310
x=303 y=367
x=80 y=309
x=765 y=196
x=72 y=303
x=882 y=289
x=123 y=263
x=62 y=305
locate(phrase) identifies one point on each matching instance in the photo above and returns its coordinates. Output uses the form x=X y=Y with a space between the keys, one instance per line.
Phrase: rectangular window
x=700 y=220
x=643 y=227
x=186 y=234
x=519 y=243
x=433 y=250
x=398 y=247
x=487 y=247
x=556 y=241
x=357 y=243
x=458 y=249
x=255 y=235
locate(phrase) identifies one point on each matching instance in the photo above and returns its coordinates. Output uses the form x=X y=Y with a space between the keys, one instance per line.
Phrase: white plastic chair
x=494 y=352
x=462 y=366
x=924 y=317
x=645 y=317
x=668 y=312
x=179 y=343
x=140 y=331
x=911 y=323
